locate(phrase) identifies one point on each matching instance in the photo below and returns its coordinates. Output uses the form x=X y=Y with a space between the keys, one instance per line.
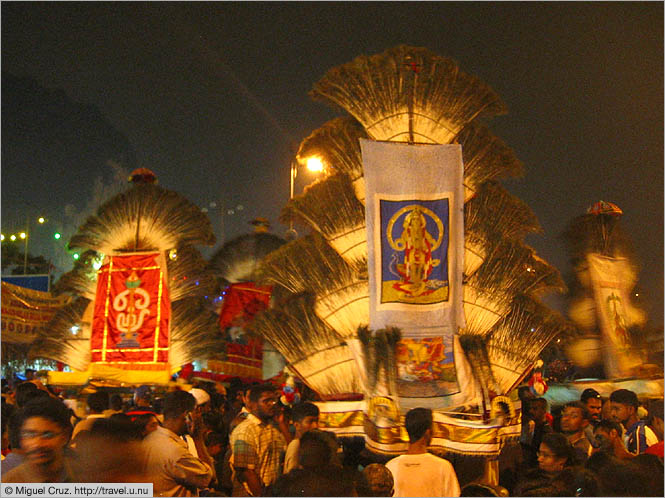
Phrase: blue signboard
x=34 y=282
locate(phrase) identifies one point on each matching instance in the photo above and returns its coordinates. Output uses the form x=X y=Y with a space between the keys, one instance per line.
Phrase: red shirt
x=655 y=449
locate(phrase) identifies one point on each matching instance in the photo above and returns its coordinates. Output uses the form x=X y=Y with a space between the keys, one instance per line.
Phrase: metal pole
x=27 y=236
x=294 y=171
x=222 y=211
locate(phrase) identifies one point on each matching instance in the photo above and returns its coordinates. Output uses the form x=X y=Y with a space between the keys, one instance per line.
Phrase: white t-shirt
x=423 y=475
x=291 y=456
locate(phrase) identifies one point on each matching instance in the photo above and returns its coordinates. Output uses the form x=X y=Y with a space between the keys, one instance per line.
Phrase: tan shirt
x=291 y=457
x=85 y=425
x=173 y=470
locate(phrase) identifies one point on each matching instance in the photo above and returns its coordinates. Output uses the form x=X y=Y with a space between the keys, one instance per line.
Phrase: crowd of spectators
x=241 y=441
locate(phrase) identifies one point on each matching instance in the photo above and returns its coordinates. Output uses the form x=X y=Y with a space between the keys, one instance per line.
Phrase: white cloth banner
x=414 y=213
x=612 y=280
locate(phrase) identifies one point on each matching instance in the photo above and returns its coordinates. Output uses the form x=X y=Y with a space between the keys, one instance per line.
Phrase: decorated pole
x=414 y=286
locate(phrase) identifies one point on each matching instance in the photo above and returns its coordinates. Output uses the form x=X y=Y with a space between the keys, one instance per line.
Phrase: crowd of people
x=589 y=447
x=210 y=441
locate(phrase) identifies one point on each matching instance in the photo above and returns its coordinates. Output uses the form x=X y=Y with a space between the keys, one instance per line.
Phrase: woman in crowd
x=554 y=475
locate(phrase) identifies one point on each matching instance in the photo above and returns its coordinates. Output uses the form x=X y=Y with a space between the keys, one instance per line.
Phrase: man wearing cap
x=638 y=436
x=202 y=404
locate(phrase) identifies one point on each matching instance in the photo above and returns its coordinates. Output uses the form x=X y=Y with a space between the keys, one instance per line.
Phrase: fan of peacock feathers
x=238 y=260
x=409 y=94
x=143 y=218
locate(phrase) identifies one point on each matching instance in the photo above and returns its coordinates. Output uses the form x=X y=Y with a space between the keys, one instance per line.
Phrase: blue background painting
x=388 y=208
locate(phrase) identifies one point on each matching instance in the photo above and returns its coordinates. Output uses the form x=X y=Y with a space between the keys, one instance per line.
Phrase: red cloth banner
x=130 y=327
x=242 y=302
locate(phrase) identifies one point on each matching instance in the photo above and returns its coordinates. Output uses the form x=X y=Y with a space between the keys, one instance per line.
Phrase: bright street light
x=22 y=235
x=41 y=220
x=314 y=164
x=12 y=238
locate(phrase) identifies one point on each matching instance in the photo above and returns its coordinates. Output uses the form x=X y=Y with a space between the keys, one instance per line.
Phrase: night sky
x=213 y=98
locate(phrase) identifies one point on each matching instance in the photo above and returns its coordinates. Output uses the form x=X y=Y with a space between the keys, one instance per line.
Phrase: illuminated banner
x=26 y=311
x=415 y=230
x=612 y=280
x=130 y=327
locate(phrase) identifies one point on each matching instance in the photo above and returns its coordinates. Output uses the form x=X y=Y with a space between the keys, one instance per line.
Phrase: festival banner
x=26 y=311
x=132 y=312
x=612 y=280
x=382 y=427
x=242 y=301
x=414 y=214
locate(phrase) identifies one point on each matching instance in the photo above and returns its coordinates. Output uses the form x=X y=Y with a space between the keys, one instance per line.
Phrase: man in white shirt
x=305 y=418
x=419 y=473
x=98 y=402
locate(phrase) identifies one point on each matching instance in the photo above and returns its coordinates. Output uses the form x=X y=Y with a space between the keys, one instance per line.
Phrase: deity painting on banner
x=132 y=312
x=415 y=229
x=414 y=251
x=612 y=280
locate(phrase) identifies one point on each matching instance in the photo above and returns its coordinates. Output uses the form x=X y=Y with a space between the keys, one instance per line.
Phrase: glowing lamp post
x=25 y=236
x=313 y=164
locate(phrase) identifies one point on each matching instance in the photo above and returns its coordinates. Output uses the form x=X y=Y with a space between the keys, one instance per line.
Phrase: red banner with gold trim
x=242 y=302
x=130 y=327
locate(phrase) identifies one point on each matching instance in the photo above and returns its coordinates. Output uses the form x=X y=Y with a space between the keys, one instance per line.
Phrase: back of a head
x=538 y=401
x=98 y=401
x=378 y=479
x=655 y=409
x=327 y=481
x=650 y=469
x=624 y=396
x=622 y=478
x=315 y=450
x=49 y=408
x=302 y=410
x=257 y=390
x=110 y=452
x=417 y=422
x=599 y=460
x=608 y=425
x=119 y=427
x=178 y=402
x=27 y=391
x=115 y=403
x=560 y=446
